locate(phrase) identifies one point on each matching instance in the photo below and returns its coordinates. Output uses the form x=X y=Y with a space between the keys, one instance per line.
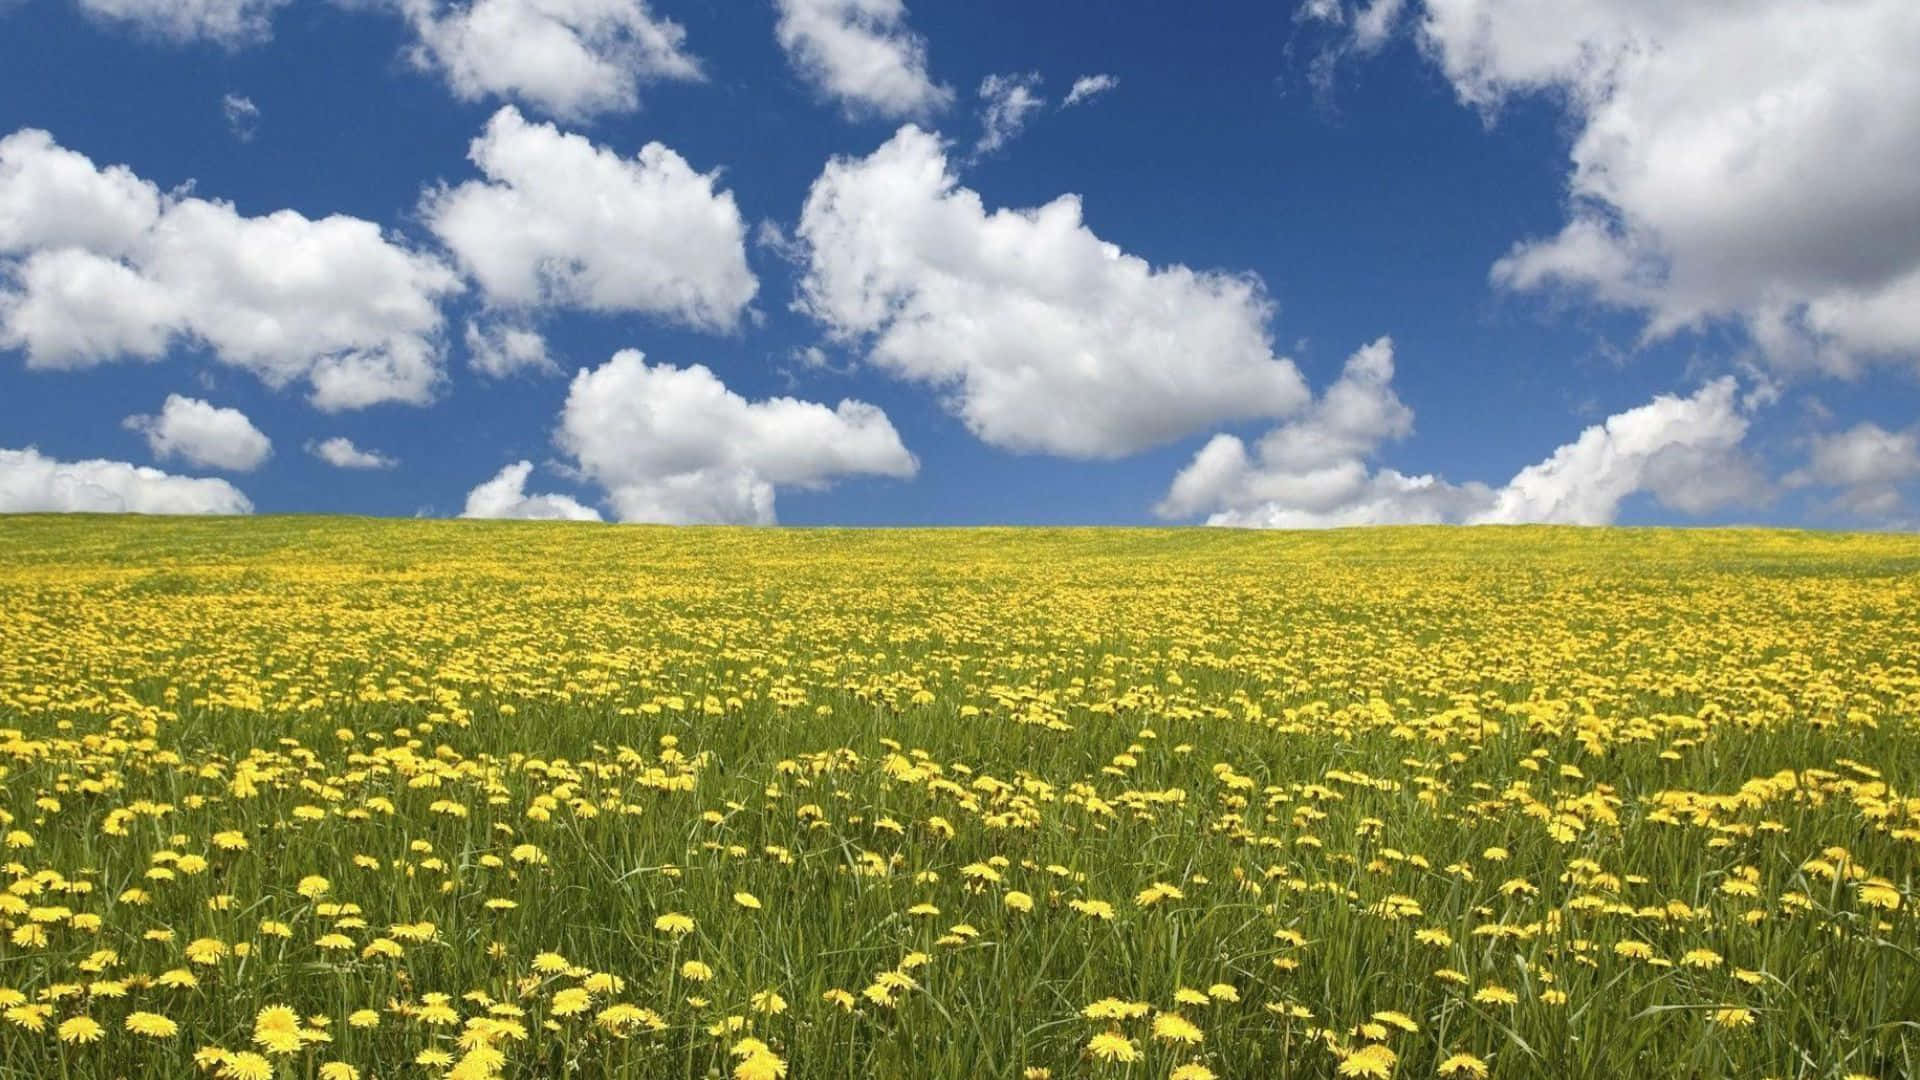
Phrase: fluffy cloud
x=1683 y=450
x=1007 y=101
x=1758 y=162
x=33 y=483
x=500 y=349
x=1313 y=471
x=340 y=453
x=1087 y=87
x=1867 y=464
x=1046 y=338
x=674 y=445
x=567 y=58
x=227 y=22
x=562 y=222
x=1316 y=471
x=203 y=435
x=98 y=265
x=505 y=496
x=860 y=53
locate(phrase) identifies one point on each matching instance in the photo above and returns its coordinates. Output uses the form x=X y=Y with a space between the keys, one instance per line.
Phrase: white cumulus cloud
x=1006 y=102
x=1318 y=470
x=1044 y=337
x=505 y=496
x=340 y=452
x=1867 y=465
x=31 y=482
x=203 y=434
x=561 y=222
x=1087 y=87
x=1681 y=449
x=674 y=445
x=1755 y=162
x=568 y=58
x=98 y=265
x=232 y=23
x=860 y=53
x=1314 y=471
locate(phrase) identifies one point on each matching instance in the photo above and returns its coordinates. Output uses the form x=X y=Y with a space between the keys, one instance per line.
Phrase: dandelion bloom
x=152 y=1025
x=1113 y=1046
x=80 y=1029
x=1495 y=995
x=1172 y=1027
x=1701 y=958
x=1115 y=1009
x=1375 y=1062
x=761 y=1065
x=245 y=1065
x=1733 y=1017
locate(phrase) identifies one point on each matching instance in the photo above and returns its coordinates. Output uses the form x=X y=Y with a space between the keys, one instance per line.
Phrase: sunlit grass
x=311 y=797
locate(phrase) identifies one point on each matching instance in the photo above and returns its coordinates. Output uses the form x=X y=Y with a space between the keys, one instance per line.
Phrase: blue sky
x=1618 y=285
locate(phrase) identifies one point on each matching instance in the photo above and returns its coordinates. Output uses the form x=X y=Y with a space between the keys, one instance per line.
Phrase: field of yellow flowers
x=335 y=798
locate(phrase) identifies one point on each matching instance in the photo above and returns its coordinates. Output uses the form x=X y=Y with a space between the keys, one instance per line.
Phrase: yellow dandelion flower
x=1172 y=1027
x=152 y=1025
x=80 y=1029
x=1701 y=958
x=1396 y=1019
x=1113 y=1046
x=245 y=1065
x=30 y=1017
x=1375 y=1061
x=1115 y=1009
x=1732 y=1017
x=762 y=1065
x=1495 y=995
